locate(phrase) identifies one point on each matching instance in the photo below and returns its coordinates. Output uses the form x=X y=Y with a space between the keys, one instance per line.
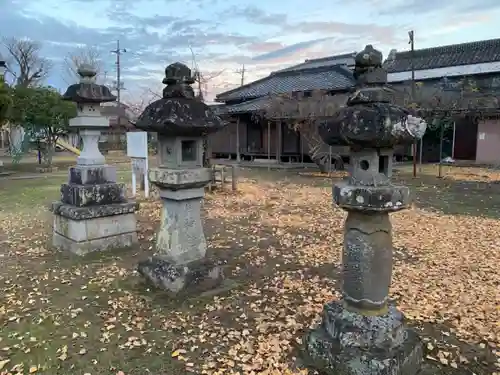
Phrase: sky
x=224 y=35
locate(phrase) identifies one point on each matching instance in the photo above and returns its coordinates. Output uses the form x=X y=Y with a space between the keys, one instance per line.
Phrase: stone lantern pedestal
x=93 y=214
x=363 y=333
x=181 y=121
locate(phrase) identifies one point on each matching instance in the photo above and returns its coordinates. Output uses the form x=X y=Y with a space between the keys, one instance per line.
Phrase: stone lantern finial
x=178 y=79
x=368 y=69
x=178 y=113
x=86 y=72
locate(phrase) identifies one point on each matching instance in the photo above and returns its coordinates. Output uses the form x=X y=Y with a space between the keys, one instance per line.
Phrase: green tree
x=43 y=115
x=5 y=101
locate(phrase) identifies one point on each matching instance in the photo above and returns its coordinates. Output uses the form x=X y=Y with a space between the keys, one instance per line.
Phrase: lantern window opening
x=188 y=150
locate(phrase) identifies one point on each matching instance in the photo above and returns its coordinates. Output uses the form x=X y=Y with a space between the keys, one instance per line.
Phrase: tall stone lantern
x=181 y=122
x=363 y=333
x=93 y=213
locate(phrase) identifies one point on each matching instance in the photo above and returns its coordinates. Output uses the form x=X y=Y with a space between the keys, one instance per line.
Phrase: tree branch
x=82 y=55
x=31 y=68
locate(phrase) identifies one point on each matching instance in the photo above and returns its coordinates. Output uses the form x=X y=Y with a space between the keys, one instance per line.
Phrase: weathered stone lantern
x=363 y=333
x=93 y=213
x=181 y=122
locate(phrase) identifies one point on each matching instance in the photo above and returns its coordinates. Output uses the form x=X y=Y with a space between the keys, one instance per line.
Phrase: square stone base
x=92 y=174
x=191 y=278
x=83 y=230
x=324 y=355
x=98 y=244
x=351 y=344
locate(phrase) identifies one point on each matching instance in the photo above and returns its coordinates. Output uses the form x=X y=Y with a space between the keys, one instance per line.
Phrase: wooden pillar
x=278 y=141
x=234 y=177
x=269 y=141
x=301 y=139
x=269 y=145
x=238 y=139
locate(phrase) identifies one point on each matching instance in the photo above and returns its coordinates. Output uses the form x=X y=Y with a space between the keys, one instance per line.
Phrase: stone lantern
x=363 y=333
x=93 y=213
x=181 y=121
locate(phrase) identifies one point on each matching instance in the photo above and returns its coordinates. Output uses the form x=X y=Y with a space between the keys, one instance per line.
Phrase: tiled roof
x=448 y=71
x=336 y=77
x=286 y=106
x=217 y=108
x=344 y=59
x=484 y=51
x=252 y=105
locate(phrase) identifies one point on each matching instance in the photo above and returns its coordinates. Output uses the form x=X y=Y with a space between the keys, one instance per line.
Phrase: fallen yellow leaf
x=3 y=363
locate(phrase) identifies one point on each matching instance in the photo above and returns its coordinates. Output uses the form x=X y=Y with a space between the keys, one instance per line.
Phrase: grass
x=61 y=160
x=24 y=194
x=280 y=237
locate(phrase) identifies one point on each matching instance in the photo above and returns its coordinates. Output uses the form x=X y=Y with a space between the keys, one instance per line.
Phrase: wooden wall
x=224 y=141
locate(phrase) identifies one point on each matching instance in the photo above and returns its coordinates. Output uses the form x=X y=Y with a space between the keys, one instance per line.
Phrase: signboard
x=137 y=150
x=137 y=144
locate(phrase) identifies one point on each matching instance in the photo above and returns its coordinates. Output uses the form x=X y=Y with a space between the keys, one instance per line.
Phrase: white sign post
x=137 y=150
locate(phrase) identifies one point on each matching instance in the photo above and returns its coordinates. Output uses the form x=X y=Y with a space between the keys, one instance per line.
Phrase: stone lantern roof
x=178 y=113
x=370 y=119
x=87 y=91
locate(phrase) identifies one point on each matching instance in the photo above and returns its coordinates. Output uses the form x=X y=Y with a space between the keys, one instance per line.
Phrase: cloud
x=457 y=23
x=425 y=7
x=290 y=50
x=265 y=46
x=384 y=33
x=225 y=34
x=154 y=40
x=259 y=16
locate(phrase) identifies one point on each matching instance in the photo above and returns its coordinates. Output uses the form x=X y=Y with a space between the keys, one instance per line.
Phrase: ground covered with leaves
x=282 y=239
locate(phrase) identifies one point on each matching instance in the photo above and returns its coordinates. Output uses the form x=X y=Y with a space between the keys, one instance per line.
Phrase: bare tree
x=446 y=101
x=447 y=98
x=26 y=64
x=139 y=103
x=82 y=55
x=301 y=113
x=440 y=103
x=202 y=79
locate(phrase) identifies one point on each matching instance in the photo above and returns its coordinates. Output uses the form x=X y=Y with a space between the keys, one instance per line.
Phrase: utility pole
x=198 y=78
x=118 y=52
x=238 y=158
x=242 y=72
x=411 y=42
